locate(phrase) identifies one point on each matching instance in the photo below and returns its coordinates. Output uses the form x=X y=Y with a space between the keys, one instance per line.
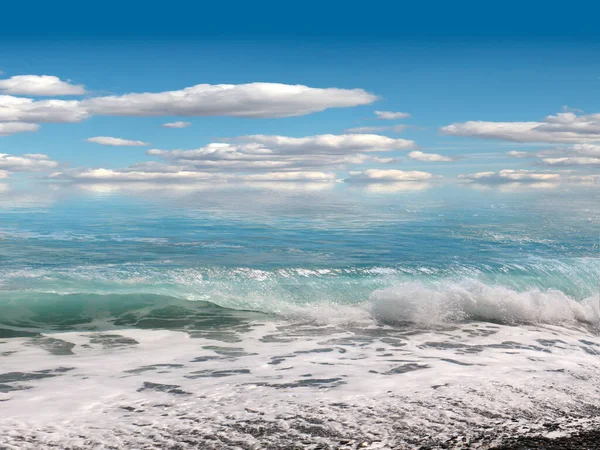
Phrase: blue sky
x=489 y=77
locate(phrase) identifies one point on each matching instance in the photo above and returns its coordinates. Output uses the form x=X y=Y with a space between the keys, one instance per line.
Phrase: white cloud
x=331 y=143
x=6 y=129
x=390 y=115
x=117 y=142
x=585 y=179
x=393 y=128
x=19 y=109
x=571 y=161
x=242 y=100
x=195 y=187
x=517 y=154
x=39 y=85
x=176 y=124
x=565 y=127
x=186 y=176
x=429 y=157
x=573 y=155
x=26 y=163
x=3 y=174
x=586 y=149
x=290 y=176
x=230 y=165
x=378 y=175
x=511 y=176
x=259 y=158
x=262 y=152
x=110 y=175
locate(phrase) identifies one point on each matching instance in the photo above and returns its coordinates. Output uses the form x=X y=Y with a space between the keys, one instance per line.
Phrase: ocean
x=282 y=315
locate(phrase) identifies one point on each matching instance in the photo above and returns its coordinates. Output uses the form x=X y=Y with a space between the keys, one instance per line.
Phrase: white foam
x=467 y=377
x=472 y=300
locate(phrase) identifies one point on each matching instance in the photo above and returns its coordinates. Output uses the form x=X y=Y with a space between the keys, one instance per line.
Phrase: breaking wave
x=104 y=298
x=471 y=300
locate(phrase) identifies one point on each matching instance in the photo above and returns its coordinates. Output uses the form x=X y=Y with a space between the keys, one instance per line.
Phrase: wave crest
x=449 y=302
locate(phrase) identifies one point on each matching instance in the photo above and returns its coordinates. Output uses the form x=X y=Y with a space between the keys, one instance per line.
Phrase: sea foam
x=473 y=300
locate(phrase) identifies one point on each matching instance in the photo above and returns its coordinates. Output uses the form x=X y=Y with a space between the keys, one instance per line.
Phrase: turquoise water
x=276 y=248
x=137 y=316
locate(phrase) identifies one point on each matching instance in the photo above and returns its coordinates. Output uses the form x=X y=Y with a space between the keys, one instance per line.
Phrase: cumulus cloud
x=251 y=100
x=390 y=115
x=117 y=142
x=242 y=100
x=260 y=158
x=510 y=176
x=343 y=143
x=391 y=175
x=393 y=128
x=573 y=155
x=176 y=124
x=565 y=127
x=272 y=152
x=19 y=109
x=429 y=157
x=32 y=162
x=39 y=85
x=6 y=129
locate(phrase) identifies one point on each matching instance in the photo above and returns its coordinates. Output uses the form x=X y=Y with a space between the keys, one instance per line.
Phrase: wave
x=576 y=277
x=26 y=314
x=540 y=291
x=471 y=300
x=404 y=304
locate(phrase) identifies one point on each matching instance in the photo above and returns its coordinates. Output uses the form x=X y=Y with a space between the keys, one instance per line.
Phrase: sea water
x=311 y=315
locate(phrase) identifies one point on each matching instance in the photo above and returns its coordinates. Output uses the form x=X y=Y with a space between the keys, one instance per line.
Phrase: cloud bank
x=259 y=158
x=274 y=152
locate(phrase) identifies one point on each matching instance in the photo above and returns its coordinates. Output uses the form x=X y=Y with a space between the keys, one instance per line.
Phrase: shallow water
x=271 y=316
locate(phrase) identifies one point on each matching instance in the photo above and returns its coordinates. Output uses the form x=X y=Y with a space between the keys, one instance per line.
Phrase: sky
x=301 y=95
